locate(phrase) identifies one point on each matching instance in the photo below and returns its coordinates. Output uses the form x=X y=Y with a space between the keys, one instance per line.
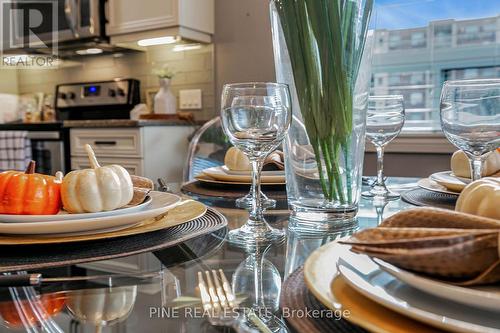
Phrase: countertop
x=39 y=126
x=126 y=123
x=34 y=126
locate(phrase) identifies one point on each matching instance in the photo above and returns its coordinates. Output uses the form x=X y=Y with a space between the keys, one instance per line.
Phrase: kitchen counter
x=34 y=126
x=126 y=123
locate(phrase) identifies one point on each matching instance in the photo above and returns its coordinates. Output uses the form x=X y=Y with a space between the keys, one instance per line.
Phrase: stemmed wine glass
x=384 y=121
x=470 y=118
x=255 y=117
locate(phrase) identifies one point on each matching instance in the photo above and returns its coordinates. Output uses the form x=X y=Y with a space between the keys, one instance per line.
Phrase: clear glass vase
x=323 y=52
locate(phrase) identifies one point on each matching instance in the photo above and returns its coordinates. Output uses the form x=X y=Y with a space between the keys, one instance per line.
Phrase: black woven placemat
x=229 y=193
x=296 y=297
x=29 y=257
x=423 y=197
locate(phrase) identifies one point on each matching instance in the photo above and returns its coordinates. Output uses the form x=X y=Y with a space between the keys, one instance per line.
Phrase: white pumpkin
x=460 y=165
x=481 y=197
x=97 y=189
x=236 y=160
x=102 y=307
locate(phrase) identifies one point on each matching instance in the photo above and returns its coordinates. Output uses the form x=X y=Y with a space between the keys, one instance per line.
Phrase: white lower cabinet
x=150 y=151
x=133 y=165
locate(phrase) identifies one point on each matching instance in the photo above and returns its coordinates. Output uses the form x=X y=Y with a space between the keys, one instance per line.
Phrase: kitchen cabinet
x=149 y=151
x=132 y=20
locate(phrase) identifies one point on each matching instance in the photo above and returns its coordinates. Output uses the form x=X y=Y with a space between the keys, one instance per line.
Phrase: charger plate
x=185 y=211
x=320 y=270
x=41 y=256
x=375 y=317
x=366 y=277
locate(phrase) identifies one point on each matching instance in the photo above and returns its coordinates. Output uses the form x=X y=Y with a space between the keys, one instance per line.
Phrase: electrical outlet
x=190 y=99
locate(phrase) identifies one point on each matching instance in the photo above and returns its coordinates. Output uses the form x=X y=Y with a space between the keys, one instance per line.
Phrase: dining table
x=158 y=290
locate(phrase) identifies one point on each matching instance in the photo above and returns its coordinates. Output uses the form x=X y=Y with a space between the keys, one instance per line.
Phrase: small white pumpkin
x=236 y=160
x=460 y=165
x=481 y=197
x=97 y=189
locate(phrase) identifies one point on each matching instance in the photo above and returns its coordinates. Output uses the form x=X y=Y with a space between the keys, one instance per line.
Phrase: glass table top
x=148 y=292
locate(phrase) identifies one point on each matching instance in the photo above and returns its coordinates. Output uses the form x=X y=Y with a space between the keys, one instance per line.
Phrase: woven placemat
x=296 y=297
x=193 y=250
x=423 y=197
x=30 y=257
x=233 y=192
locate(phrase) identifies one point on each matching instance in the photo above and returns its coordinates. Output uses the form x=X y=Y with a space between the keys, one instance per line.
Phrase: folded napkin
x=460 y=165
x=275 y=161
x=236 y=160
x=459 y=248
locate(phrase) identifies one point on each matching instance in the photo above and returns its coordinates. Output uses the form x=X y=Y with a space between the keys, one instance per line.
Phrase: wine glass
x=255 y=117
x=470 y=118
x=384 y=121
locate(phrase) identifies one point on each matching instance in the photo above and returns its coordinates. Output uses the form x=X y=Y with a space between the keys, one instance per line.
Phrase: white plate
x=364 y=275
x=219 y=174
x=485 y=297
x=249 y=173
x=429 y=184
x=161 y=202
x=450 y=181
x=65 y=216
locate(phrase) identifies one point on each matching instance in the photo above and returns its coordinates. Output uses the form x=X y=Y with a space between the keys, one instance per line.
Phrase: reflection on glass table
x=168 y=302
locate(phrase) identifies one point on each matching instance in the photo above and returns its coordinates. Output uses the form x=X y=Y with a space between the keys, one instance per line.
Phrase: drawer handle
x=105 y=143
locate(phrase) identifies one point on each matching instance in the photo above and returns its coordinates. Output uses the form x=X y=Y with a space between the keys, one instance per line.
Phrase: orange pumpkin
x=29 y=193
x=51 y=305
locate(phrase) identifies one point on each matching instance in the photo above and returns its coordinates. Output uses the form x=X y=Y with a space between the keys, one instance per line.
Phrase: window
x=417 y=39
x=394 y=41
x=417 y=78
x=416 y=98
x=442 y=35
x=472 y=73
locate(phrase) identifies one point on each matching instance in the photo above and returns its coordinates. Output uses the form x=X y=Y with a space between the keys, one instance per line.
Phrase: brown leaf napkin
x=459 y=248
x=142 y=187
x=274 y=162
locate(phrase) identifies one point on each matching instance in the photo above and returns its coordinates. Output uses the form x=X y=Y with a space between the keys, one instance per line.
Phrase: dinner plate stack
x=87 y=224
x=223 y=176
x=422 y=299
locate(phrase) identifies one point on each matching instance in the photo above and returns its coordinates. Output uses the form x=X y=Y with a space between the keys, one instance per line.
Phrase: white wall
x=243 y=45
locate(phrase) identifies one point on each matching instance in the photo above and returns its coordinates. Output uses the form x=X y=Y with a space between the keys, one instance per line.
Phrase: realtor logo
x=27 y=25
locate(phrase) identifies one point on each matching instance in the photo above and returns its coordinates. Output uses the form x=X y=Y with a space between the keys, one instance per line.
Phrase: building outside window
x=416 y=62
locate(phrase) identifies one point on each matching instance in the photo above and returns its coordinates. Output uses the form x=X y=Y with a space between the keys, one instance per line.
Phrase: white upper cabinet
x=132 y=20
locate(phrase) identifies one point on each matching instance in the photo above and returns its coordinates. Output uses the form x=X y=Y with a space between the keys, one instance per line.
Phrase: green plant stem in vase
x=319 y=48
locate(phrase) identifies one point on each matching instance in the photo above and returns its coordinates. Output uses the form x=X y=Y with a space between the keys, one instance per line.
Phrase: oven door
x=75 y=19
x=47 y=148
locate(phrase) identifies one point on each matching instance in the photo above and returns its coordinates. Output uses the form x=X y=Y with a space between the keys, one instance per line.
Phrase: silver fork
x=219 y=302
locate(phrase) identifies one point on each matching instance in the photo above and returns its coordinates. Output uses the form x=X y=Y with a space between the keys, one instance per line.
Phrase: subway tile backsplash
x=194 y=70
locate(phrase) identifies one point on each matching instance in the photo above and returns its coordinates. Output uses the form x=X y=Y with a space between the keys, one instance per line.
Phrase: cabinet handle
x=105 y=143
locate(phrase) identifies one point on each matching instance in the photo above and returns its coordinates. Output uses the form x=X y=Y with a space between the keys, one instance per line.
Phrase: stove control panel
x=93 y=94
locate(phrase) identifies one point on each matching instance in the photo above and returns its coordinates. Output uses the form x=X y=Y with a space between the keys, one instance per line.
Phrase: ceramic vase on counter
x=165 y=101
x=325 y=58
